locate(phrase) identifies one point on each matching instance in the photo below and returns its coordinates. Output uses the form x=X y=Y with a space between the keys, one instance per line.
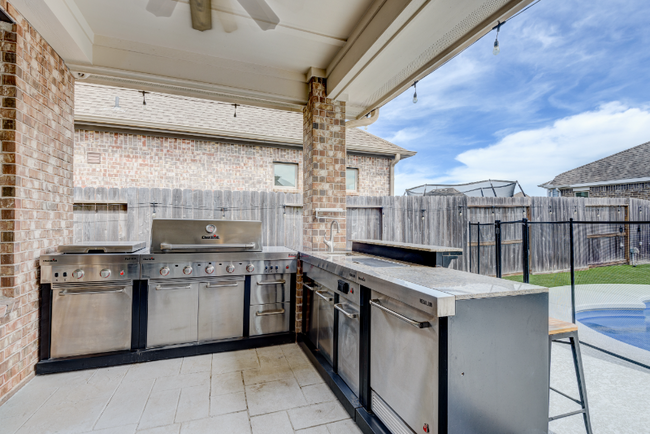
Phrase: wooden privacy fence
x=103 y=214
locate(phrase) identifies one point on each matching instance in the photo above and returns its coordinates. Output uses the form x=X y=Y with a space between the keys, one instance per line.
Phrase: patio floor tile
x=317 y=414
x=273 y=423
x=274 y=396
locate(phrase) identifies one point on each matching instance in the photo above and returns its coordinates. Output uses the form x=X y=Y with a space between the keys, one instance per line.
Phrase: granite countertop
x=462 y=285
x=410 y=246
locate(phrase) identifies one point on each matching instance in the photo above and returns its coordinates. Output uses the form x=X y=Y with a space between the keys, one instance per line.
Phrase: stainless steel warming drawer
x=221 y=308
x=173 y=310
x=91 y=318
x=270 y=305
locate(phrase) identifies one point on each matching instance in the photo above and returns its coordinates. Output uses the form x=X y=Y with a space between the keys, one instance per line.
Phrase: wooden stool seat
x=557 y=326
x=559 y=330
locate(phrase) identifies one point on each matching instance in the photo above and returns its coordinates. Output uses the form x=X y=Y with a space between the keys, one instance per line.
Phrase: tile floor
x=272 y=390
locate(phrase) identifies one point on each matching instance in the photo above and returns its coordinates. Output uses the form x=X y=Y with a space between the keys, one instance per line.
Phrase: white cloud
x=535 y=156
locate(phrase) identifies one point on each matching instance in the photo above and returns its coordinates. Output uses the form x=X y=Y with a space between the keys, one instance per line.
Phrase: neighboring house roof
x=629 y=166
x=211 y=119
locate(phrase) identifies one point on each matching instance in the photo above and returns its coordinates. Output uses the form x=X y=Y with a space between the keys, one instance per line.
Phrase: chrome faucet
x=330 y=243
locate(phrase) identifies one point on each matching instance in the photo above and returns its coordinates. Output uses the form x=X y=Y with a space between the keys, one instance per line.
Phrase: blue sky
x=571 y=85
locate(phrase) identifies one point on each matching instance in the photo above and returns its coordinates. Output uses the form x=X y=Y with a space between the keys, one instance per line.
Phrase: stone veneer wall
x=37 y=191
x=634 y=191
x=161 y=162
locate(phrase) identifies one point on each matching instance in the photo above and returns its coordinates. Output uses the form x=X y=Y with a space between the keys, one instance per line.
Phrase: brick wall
x=161 y=162
x=634 y=191
x=37 y=151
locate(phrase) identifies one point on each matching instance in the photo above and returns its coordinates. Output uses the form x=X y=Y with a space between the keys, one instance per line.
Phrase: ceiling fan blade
x=261 y=12
x=161 y=8
x=201 y=11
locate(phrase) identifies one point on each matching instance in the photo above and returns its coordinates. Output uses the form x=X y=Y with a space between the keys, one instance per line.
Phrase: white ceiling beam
x=62 y=25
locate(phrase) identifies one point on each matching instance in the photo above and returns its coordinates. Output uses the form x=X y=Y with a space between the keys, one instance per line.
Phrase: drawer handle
x=67 y=292
x=159 y=287
x=272 y=282
x=224 y=285
x=416 y=324
x=339 y=307
x=270 y=312
x=320 y=294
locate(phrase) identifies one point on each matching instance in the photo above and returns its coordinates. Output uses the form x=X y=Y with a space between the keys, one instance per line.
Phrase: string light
x=415 y=91
x=236 y=105
x=460 y=210
x=116 y=107
x=423 y=211
x=144 y=99
x=497 y=49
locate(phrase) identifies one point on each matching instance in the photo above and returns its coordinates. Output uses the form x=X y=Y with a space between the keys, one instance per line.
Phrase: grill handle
x=114 y=291
x=309 y=287
x=159 y=287
x=350 y=315
x=272 y=282
x=320 y=294
x=167 y=246
x=270 y=312
x=223 y=285
x=416 y=324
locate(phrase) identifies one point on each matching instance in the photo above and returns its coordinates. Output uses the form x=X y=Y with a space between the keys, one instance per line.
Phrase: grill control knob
x=187 y=270
x=105 y=273
x=209 y=269
x=78 y=274
x=250 y=268
x=164 y=271
x=230 y=268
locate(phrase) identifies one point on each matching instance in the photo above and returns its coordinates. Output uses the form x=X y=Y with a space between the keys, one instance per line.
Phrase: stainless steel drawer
x=348 y=344
x=270 y=288
x=173 y=313
x=325 y=323
x=269 y=318
x=404 y=361
x=91 y=318
x=221 y=309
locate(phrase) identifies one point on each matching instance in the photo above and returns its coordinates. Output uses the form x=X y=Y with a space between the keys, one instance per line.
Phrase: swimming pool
x=631 y=326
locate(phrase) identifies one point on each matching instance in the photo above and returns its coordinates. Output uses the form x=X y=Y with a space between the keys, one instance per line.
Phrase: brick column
x=36 y=185
x=324 y=158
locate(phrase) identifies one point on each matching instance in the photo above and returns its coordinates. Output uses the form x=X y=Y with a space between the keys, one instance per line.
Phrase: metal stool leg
x=577 y=361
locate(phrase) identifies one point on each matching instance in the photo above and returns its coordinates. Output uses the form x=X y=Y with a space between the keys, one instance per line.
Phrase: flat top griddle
x=103 y=247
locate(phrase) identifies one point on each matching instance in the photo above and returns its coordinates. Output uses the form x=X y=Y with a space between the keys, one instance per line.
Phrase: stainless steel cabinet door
x=404 y=363
x=91 y=319
x=269 y=318
x=348 y=345
x=270 y=288
x=313 y=319
x=325 y=323
x=221 y=309
x=173 y=313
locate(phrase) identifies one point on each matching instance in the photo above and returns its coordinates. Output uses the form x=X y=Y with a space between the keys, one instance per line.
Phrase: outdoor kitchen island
x=409 y=348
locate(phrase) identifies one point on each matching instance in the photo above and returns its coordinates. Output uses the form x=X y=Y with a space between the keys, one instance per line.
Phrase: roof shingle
x=632 y=163
x=94 y=106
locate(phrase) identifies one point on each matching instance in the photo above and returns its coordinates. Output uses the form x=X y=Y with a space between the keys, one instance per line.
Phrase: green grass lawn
x=616 y=274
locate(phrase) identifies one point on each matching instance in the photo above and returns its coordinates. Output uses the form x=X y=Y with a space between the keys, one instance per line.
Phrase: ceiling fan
x=201 y=13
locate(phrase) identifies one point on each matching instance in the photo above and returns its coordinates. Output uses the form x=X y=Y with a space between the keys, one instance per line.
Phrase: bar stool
x=557 y=330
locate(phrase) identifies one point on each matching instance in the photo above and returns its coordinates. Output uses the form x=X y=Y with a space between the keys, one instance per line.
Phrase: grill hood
x=188 y=236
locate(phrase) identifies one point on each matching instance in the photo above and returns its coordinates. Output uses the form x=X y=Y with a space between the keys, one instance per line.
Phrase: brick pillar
x=324 y=159
x=36 y=185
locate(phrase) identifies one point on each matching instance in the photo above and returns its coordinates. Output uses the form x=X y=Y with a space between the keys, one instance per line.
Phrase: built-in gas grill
x=200 y=286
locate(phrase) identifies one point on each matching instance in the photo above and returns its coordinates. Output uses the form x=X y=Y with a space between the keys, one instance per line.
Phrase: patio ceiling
x=369 y=50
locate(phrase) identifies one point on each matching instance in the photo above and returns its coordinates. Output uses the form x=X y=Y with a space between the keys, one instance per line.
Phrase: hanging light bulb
x=235 y=105
x=497 y=49
x=144 y=99
x=415 y=91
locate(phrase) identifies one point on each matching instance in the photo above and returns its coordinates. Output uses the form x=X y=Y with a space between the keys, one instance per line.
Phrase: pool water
x=626 y=325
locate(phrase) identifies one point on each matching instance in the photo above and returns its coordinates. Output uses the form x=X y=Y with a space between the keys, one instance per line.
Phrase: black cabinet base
x=367 y=422
x=53 y=366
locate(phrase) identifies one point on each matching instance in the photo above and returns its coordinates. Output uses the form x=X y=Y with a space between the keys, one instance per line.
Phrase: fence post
x=478 y=247
x=573 y=272
x=497 y=246
x=525 y=248
x=470 y=247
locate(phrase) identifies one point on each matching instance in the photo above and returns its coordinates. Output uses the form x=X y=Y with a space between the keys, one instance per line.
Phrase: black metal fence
x=598 y=274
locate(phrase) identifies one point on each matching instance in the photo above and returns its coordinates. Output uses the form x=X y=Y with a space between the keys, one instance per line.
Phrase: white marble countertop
x=410 y=246
x=462 y=285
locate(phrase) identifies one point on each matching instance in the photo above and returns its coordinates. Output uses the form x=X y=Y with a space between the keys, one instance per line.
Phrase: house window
x=351 y=179
x=582 y=194
x=286 y=174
